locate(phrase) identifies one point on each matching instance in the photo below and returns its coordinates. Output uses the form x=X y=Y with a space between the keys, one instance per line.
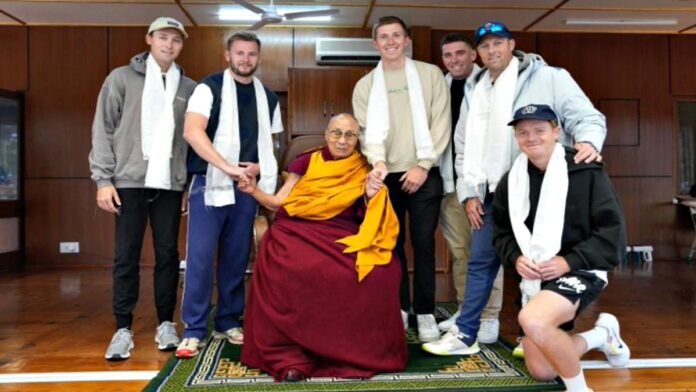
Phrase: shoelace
x=426 y=322
x=166 y=328
x=121 y=336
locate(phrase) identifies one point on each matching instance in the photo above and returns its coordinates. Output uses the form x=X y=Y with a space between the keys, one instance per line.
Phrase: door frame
x=15 y=209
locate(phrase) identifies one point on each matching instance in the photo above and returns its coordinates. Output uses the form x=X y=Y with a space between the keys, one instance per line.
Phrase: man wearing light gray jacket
x=138 y=161
x=485 y=149
x=459 y=57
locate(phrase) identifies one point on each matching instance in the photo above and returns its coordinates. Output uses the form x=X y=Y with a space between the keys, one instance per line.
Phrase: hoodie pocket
x=131 y=165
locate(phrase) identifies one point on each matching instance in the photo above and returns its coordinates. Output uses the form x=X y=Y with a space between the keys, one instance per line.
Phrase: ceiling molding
x=23 y=23
x=687 y=28
x=368 y=14
x=547 y=13
x=186 y=12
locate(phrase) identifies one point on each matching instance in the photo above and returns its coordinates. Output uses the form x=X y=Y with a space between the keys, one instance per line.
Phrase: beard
x=241 y=73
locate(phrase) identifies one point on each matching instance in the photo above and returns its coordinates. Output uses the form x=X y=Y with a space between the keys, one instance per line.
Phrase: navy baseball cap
x=495 y=28
x=533 y=112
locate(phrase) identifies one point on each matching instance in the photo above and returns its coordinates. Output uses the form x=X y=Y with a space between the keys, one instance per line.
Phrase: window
x=686 y=117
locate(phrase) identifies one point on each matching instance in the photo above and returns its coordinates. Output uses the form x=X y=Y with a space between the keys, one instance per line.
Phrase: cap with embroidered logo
x=494 y=28
x=533 y=112
x=164 y=22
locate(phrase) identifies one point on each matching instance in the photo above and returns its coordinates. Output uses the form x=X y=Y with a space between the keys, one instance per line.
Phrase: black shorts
x=576 y=286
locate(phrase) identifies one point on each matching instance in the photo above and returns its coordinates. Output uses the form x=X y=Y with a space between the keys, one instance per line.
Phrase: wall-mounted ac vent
x=348 y=51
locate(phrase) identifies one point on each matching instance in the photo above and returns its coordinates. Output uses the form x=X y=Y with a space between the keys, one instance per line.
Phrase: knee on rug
x=540 y=369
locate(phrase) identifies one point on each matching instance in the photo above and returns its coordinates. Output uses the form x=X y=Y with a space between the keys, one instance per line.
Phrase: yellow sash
x=328 y=188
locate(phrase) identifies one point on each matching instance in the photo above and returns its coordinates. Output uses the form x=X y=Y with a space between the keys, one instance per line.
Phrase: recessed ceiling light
x=622 y=22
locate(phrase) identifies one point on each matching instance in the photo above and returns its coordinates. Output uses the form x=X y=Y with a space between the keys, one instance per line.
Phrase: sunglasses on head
x=490 y=28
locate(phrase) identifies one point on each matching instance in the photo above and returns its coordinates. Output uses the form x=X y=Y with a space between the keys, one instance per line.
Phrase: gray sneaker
x=166 y=337
x=120 y=346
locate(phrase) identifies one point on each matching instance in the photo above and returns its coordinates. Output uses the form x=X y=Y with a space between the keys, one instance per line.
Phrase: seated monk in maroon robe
x=324 y=294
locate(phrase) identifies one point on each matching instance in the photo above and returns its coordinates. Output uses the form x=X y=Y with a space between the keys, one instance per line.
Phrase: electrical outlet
x=69 y=247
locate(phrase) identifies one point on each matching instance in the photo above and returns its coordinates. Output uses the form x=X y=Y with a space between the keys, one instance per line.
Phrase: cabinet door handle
x=324 y=108
x=332 y=109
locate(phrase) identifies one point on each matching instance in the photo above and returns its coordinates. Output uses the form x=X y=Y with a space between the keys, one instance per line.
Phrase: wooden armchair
x=263 y=219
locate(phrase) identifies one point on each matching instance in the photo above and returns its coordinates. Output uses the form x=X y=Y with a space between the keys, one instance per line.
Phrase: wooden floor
x=60 y=321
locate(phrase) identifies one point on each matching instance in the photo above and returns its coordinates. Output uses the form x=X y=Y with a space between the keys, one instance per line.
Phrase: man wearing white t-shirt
x=230 y=121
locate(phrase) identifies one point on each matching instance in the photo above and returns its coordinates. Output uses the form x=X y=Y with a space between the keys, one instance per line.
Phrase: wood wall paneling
x=276 y=57
x=65 y=210
x=124 y=43
x=681 y=56
x=628 y=190
x=316 y=94
x=14 y=55
x=659 y=216
x=67 y=68
x=203 y=52
x=421 y=41
x=623 y=117
x=599 y=64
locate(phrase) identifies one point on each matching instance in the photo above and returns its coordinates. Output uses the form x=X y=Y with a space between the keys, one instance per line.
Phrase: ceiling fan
x=270 y=14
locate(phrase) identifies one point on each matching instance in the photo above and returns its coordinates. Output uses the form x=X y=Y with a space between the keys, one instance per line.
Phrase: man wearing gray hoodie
x=138 y=161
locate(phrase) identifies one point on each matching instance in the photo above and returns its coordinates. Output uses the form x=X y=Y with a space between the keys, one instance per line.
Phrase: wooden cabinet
x=316 y=94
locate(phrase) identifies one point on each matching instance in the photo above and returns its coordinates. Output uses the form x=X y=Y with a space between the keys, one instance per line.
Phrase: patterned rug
x=493 y=369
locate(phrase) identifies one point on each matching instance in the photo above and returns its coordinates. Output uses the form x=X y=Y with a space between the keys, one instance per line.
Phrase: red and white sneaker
x=189 y=348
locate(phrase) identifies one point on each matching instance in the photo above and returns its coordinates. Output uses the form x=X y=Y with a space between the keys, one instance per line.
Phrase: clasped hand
x=552 y=269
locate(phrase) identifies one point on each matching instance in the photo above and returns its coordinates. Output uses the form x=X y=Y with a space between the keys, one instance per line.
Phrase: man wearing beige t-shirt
x=403 y=106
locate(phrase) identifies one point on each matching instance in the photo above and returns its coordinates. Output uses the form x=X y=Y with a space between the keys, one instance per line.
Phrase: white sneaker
x=451 y=343
x=444 y=326
x=427 y=328
x=233 y=335
x=166 y=337
x=404 y=319
x=617 y=351
x=120 y=346
x=489 y=331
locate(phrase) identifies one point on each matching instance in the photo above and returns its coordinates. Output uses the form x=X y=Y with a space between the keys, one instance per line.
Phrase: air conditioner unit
x=348 y=51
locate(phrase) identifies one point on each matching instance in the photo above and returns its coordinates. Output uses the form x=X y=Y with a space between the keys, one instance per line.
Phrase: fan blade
x=307 y=14
x=250 y=6
x=259 y=24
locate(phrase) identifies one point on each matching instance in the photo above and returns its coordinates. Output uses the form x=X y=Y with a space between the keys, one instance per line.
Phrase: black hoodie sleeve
x=503 y=236
x=604 y=247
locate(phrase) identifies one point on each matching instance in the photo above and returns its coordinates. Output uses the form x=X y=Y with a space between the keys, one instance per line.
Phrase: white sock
x=595 y=337
x=576 y=384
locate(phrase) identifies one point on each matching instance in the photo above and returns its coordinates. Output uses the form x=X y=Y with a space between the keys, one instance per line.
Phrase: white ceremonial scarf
x=488 y=148
x=377 y=125
x=157 y=122
x=545 y=242
x=219 y=190
x=446 y=160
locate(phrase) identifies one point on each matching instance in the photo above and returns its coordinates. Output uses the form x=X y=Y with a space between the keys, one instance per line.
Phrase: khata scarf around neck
x=157 y=122
x=328 y=188
x=489 y=141
x=545 y=242
x=377 y=125
x=219 y=186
